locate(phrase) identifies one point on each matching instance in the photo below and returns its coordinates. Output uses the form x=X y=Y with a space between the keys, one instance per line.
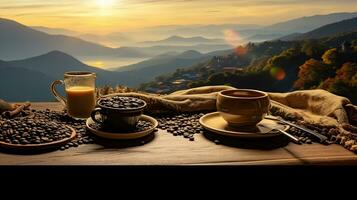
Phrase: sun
x=104 y=3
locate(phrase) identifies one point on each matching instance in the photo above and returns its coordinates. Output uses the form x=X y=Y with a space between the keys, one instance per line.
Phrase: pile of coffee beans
x=140 y=126
x=185 y=125
x=83 y=137
x=43 y=127
x=30 y=131
x=118 y=102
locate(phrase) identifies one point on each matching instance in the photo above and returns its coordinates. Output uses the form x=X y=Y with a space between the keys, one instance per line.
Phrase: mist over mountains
x=31 y=59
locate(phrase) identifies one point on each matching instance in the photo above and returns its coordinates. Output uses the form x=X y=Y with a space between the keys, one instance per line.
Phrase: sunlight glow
x=104 y=3
x=232 y=38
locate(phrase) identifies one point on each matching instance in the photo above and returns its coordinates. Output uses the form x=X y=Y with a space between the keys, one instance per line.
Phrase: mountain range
x=348 y=25
x=178 y=40
x=19 y=41
x=29 y=79
x=248 y=32
x=294 y=26
x=38 y=58
x=149 y=69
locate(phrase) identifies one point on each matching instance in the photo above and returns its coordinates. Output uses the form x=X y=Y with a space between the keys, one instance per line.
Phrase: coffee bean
x=122 y=102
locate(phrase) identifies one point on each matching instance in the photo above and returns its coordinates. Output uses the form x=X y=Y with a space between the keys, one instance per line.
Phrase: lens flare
x=241 y=51
x=278 y=73
x=232 y=37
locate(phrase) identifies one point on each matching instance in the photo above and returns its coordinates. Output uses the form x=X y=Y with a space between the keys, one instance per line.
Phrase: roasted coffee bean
x=122 y=102
x=182 y=124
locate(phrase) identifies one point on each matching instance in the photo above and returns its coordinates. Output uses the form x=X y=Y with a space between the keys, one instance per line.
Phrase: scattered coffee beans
x=122 y=102
x=185 y=125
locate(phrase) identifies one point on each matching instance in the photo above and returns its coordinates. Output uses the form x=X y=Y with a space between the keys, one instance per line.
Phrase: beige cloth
x=312 y=106
x=315 y=107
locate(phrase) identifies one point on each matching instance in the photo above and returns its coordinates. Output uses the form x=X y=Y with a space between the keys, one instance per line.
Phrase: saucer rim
x=239 y=134
x=46 y=145
x=123 y=136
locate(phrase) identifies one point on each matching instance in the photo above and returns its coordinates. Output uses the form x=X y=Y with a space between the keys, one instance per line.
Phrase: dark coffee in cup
x=242 y=107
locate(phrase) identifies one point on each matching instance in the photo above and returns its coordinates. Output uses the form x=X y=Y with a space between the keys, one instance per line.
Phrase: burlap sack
x=315 y=107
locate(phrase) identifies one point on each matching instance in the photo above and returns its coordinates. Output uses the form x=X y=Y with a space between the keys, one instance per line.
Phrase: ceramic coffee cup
x=117 y=118
x=242 y=107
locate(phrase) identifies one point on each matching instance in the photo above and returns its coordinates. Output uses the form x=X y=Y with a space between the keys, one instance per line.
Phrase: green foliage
x=313 y=48
x=330 y=56
x=280 y=66
x=312 y=73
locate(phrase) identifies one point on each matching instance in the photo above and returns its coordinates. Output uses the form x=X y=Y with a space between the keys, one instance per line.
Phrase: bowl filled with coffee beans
x=118 y=112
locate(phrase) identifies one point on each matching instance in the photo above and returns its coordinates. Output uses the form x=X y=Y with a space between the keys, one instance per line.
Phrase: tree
x=344 y=83
x=348 y=73
x=313 y=48
x=312 y=73
x=330 y=57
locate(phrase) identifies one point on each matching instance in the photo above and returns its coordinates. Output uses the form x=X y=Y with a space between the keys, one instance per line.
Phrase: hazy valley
x=174 y=57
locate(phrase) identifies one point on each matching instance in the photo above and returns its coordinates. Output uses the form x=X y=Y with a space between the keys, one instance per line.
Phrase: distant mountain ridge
x=19 y=41
x=309 y=23
x=29 y=79
x=178 y=40
x=147 y=70
x=349 y=25
x=294 y=26
x=55 y=31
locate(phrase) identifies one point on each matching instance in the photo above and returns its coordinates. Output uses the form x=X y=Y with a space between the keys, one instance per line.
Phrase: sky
x=105 y=16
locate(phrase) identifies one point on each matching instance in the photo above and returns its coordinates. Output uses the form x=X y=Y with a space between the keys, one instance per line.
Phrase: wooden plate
x=39 y=146
x=123 y=136
x=215 y=123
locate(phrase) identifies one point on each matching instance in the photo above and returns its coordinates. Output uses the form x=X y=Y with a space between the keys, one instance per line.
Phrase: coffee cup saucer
x=117 y=135
x=215 y=123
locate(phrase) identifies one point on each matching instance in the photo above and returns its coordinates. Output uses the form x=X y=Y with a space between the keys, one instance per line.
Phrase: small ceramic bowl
x=242 y=107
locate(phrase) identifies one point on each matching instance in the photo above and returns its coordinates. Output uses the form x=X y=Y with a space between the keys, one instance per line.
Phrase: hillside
x=305 y=24
x=291 y=28
x=37 y=73
x=277 y=66
x=24 y=85
x=55 y=63
x=148 y=69
x=19 y=41
x=349 y=25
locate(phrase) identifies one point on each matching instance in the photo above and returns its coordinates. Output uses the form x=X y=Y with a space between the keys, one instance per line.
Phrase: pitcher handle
x=59 y=97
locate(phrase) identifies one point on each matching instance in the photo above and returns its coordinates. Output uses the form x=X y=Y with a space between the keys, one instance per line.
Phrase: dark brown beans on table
x=47 y=126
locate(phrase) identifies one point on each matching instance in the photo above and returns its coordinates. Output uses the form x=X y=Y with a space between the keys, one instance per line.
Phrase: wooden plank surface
x=166 y=149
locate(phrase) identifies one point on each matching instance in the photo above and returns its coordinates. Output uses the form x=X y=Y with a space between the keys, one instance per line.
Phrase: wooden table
x=166 y=149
